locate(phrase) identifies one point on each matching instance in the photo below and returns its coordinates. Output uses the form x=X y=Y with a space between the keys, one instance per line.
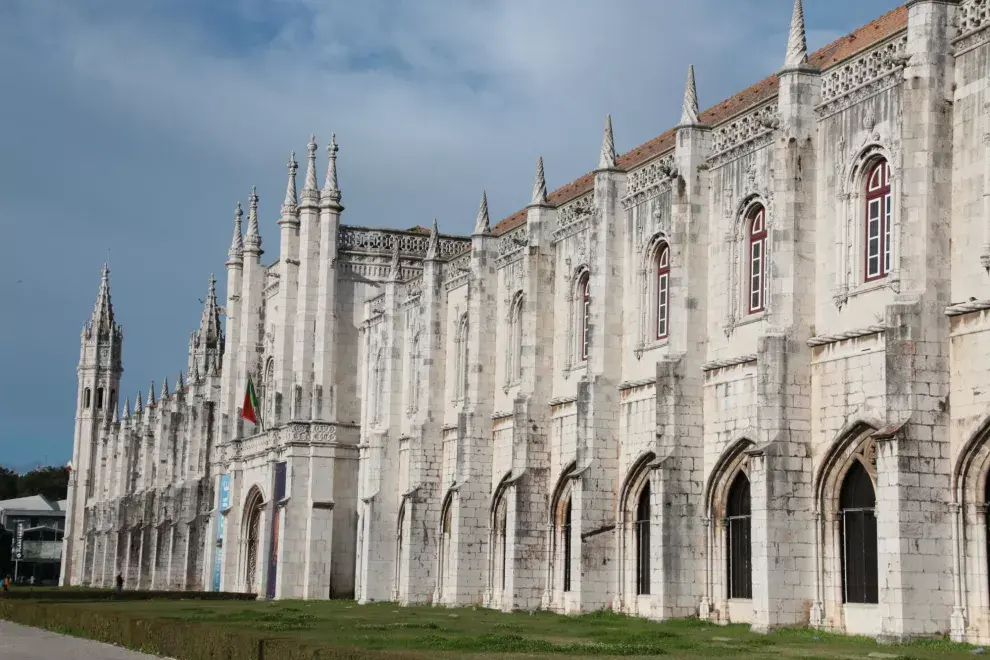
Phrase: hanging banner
x=221 y=528
x=276 y=518
x=19 y=541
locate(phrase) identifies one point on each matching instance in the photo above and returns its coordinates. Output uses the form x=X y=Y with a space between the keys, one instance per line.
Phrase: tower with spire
x=98 y=382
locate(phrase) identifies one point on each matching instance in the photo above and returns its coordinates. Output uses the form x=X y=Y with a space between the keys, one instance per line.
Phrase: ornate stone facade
x=738 y=372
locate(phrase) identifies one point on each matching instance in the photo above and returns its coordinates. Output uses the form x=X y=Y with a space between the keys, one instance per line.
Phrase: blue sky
x=136 y=125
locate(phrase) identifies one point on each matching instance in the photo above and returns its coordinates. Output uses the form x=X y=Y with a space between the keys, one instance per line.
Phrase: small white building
x=35 y=526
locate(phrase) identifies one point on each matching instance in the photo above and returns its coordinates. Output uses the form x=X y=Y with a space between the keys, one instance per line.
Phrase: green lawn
x=433 y=633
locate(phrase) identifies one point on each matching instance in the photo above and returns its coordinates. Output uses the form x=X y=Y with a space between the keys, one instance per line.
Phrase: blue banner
x=276 y=517
x=221 y=525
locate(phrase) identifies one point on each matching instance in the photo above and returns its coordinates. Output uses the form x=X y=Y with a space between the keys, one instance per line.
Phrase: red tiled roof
x=838 y=51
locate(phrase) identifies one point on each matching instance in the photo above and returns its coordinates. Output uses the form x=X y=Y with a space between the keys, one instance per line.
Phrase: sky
x=131 y=128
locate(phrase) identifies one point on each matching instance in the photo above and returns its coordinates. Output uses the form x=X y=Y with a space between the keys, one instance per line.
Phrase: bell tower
x=98 y=375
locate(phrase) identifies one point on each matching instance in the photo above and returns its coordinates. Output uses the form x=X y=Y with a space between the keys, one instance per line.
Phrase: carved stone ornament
x=744 y=134
x=864 y=77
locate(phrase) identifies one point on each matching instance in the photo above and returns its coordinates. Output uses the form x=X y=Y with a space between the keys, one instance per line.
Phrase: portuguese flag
x=249 y=410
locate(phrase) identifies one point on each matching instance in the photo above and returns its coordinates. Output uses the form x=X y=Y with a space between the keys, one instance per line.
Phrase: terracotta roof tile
x=838 y=51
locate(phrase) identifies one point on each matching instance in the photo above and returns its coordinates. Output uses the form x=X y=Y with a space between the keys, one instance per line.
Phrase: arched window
x=515 y=339
x=499 y=554
x=565 y=539
x=461 y=363
x=740 y=557
x=584 y=315
x=445 y=531
x=663 y=290
x=643 y=541
x=113 y=399
x=87 y=395
x=878 y=212
x=99 y=398
x=757 y=276
x=252 y=525
x=857 y=504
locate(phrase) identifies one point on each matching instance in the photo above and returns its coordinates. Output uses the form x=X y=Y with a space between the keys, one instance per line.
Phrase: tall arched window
x=584 y=315
x=445 y=531
x=857 y=504
x=252 y=524
x=515 y=337
x=757 y=276
x=565 y=538
x=740 y=557
x=499 y=553
x=86 y=398
x=461 y=363
x=663 y=290
x=643 y=541
x=99 y=398
x=878 y=212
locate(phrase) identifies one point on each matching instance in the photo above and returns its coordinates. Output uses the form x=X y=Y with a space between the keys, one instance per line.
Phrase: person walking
x=120 y=583
x=6 y=583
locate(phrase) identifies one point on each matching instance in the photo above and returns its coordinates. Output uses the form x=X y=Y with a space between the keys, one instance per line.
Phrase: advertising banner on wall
x=19 y=540
x=221 y=525
x=276 y=519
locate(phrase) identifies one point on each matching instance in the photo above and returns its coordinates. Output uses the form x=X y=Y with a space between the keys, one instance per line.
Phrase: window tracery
x=878 y=221
x=757 y=281
x=662 y=304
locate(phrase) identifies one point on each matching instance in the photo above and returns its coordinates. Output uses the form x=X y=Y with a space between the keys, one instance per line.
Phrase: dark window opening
x=99 y=399
x=643 y=542
x=740 y=559
x=858 y=529
x=565 y=533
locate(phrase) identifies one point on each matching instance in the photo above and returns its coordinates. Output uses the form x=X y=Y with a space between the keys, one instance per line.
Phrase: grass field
x=445 y=633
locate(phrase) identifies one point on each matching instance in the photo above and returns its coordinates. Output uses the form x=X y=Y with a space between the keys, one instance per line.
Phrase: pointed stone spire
x=102 y=321
x=252 y=240
x=433 y=247
x=116 y=413
x=180 y=384
x=236 y=251
x=797 y=44
x=209 y=324
x=482 y=224
x=138 y=403
x=539 y=186
x=291 y=203
x=394 y=271
x=607 y=159
x=164 y=389
x=689 y=108
x=127 y=408
x=151 y=394
x=195 y=372
x=311 y=192
x=331 y=191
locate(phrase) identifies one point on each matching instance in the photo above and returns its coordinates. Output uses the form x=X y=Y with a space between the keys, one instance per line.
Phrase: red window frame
x=756 y=280
x=876 y=248
x=584 y=286
x=663 y=291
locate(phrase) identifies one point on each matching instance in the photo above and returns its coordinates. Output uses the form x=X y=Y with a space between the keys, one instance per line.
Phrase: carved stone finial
x=482 y=224
x=607 y=159
x=164 y=388
x=797 y=43
x=252 y=240
x=180 y=384
x=127 y=407
x=540 y=185
x=236 y=250
x=151 y=394
x=138 y=403
x=291 y=202
x=394 y=271
x=331 y=191
x=689 y=108
x=433 y=247
x=311 y=191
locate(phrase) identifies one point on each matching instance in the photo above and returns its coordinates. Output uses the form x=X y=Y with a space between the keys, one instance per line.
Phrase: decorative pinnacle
x=237 y=243
x=607 y=159
x=291 y=202
x=252 y=240
x=181 y=384
x=127 y=407
x=310 y=191
x=433 y=247
x=689 y=109
x=102 y=321
x=540 y=185
x=393 y=270
x=482 y=224
x=138 y=403
x=797 y=44
x=116 y=412
x=164 y=389
x=151 y=394
x=331 y=191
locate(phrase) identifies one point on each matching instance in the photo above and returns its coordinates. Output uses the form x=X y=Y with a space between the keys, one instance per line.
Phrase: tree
x=9 y=483
x=52 y=482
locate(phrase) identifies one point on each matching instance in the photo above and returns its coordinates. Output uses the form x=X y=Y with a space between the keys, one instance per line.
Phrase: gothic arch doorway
x=252 y=539
x=739 y=551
